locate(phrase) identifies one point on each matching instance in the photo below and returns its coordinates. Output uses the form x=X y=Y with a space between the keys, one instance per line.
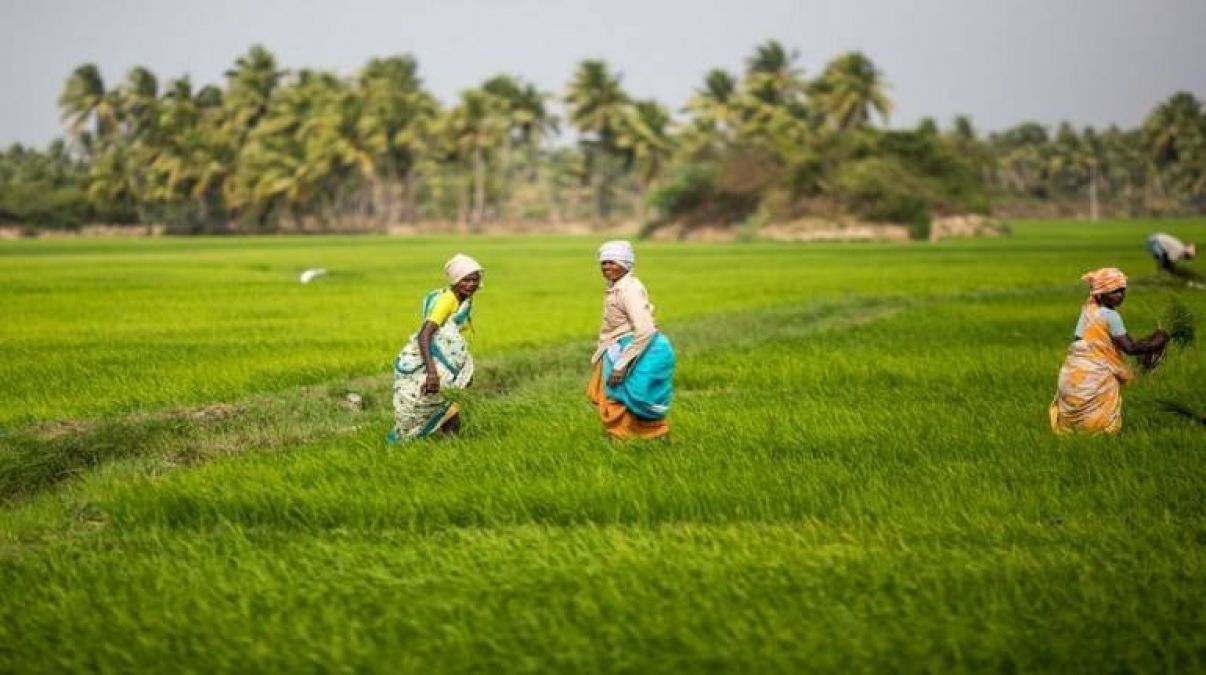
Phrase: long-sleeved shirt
x=1174 y=249
x=626 y=310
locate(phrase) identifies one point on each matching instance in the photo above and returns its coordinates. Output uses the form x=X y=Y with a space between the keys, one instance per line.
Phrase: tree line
x=274 y=150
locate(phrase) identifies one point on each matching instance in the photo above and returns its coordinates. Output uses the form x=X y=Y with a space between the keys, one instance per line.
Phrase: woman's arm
x=432 y=384
x=640 y=317
x=1148 y=345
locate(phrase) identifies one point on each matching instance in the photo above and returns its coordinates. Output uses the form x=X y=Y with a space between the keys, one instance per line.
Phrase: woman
x=436 y=357
x=1089 y=398
x=632 y=382
x=1168 y=251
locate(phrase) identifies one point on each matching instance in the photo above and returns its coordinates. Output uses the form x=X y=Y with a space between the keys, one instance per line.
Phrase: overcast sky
x=1001 y=61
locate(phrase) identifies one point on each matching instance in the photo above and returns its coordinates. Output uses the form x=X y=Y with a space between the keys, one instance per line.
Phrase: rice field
x=861 y=476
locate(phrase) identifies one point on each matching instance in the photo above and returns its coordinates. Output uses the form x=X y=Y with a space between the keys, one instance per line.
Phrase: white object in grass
x=312 y=274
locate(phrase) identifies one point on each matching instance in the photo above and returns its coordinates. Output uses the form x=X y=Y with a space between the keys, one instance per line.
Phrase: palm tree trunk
x=409 y=197
x=552 y=195
x=1093 y=215
x=600 y=195
x=508 y=199
x=479 y=189
x=639 y=205
x=380 y=212
x=465 y=208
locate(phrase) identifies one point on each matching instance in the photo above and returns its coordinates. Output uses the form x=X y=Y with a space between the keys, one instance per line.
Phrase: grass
x=861 y=476
x=1181 y=324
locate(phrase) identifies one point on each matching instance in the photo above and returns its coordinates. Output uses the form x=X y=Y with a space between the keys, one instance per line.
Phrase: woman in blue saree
x=633 y=378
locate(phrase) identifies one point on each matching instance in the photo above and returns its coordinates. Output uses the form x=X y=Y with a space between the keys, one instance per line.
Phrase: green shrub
x=685 y=189
x=44 y=205
x=882 y=190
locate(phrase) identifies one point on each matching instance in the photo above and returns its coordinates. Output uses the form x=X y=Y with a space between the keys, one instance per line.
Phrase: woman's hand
x=432 y=384
x=617 y=377
x=1157 y=342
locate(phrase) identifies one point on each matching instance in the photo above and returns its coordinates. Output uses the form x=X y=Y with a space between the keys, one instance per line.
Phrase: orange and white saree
x=1089 y=395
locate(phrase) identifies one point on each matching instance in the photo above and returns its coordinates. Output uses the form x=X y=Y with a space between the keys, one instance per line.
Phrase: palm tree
x=187 y=172
x=598 y=105
x=715 y=108
x=111 y=187
x=1175 y=134
x=597 y=101
x=1125 y=167
x=646 y=137
x=139 y=98
x=849 y=90
x=209 y=96
x=475 y=129
x=771 y=107
x=250 y=85
x=528 y=123
x=394 y=126
x=85 y=100
x=1068 y=163
x=137 y=106
x=1022 y=158
x=771 y=76
x=1173 y=126
x=962 y=130
x=530 y=118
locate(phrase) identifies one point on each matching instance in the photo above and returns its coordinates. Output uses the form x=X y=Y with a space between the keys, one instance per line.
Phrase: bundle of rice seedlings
x=1180 y=323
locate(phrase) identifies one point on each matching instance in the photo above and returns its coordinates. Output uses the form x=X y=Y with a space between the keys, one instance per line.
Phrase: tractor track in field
x=40 y=456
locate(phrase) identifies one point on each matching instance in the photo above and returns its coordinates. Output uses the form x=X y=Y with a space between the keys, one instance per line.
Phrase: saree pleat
x=618 y=421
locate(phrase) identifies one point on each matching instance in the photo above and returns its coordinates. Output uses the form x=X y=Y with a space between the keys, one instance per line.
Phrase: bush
x=685 y=190
x=954 y=182
x=921 y=227
x=44 y=205
x=882 y=190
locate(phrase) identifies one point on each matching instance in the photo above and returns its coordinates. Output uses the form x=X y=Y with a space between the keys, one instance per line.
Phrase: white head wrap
x=460 y=266
x=618 y=251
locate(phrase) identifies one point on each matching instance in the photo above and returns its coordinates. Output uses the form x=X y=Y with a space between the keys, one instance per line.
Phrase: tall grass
x=94 y=328
x=860 y=478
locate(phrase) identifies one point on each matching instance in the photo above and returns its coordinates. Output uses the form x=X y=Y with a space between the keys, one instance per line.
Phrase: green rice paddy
x=861 y=476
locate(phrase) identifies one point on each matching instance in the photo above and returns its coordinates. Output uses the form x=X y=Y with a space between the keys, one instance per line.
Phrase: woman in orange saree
x=1089 y=394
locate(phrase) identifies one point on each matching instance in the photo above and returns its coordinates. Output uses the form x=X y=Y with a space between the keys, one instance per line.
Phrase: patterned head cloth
x=618 y=251
x=460 y=266
x=1104 y=280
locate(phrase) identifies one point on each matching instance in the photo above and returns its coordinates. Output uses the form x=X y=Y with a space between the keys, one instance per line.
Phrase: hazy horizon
x=1088 y=62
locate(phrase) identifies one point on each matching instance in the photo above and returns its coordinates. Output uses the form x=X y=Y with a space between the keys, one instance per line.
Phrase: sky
x=1091 y=62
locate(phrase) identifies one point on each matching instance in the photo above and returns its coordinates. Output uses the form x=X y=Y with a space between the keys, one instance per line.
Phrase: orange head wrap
x=1104 y=280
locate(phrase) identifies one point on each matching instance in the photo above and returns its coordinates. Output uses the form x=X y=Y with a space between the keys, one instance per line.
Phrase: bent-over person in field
x=436 y=357
x=1168 y=251
x=1089 y=395
x=632 y=382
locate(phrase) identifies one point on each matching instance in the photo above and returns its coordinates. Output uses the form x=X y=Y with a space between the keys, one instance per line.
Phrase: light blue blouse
x=1113 y=321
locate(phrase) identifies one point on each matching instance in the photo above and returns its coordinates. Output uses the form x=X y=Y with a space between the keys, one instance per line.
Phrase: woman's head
x=616 y=258
x=468 y=284
x=1107 y=286
x=464 y=275
x=1112 y=299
